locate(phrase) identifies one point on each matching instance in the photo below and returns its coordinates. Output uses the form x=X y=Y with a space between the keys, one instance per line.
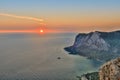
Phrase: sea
x=28 y=56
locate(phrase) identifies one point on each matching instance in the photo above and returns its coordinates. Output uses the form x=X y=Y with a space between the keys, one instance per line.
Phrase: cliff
x=97 y=45
x=91 y=41
x=110 y=70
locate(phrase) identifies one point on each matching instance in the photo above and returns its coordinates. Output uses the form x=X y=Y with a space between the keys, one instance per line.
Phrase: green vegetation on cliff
x=89 y=76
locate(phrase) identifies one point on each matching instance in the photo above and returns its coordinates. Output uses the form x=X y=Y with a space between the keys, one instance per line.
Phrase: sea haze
x=35 y=57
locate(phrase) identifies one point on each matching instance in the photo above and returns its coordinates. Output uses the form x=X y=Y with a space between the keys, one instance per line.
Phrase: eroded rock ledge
x=110 y=70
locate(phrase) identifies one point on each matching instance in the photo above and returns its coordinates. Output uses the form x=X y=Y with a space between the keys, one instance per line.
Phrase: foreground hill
x=102 y=46
x=109 y=71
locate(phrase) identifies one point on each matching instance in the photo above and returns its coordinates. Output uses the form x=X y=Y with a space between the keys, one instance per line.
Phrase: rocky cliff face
x=110 y=70
x=97 y=45
x=91 y=41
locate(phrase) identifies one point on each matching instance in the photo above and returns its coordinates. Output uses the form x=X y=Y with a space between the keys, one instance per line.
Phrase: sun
x=41 y=31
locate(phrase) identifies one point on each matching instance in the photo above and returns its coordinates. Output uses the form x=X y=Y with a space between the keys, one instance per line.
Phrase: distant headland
x=102 y=46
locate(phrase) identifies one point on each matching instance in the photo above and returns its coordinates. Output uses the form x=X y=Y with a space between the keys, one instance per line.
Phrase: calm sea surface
x=35 y=57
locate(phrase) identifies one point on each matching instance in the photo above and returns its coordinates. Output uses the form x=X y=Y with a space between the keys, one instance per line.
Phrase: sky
x=60 y=15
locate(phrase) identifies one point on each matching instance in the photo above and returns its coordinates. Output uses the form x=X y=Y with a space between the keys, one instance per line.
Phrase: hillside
x=102 y=46
x=109 y=71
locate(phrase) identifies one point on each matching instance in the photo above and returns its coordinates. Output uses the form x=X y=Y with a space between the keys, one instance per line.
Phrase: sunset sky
x=61 y=15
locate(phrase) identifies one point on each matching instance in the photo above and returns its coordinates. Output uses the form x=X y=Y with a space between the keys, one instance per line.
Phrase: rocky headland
x=102 y=46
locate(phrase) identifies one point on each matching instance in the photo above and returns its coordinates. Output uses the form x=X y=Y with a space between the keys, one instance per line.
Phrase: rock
x=97 y=45
x=110 y=70
x=83 y=78
x=58 y=57
x=91 y=41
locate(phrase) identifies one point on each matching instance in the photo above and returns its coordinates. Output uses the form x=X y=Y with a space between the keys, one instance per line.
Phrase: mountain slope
x=97 y=45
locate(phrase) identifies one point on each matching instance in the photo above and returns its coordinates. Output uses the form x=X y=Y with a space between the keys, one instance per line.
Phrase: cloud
x=21 y=17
